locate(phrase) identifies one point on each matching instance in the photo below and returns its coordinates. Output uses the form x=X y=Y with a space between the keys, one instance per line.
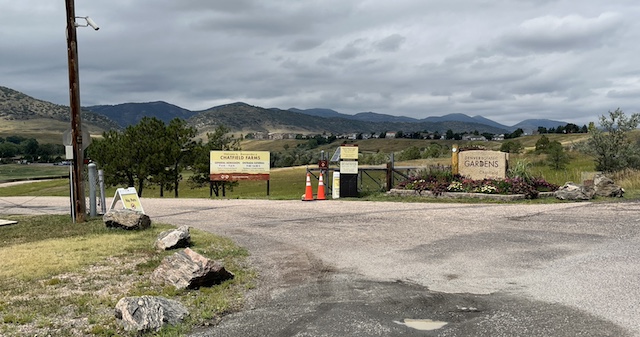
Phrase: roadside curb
x=462 y=195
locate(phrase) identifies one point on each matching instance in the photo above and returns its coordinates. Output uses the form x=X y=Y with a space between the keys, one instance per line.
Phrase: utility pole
x=77 y=189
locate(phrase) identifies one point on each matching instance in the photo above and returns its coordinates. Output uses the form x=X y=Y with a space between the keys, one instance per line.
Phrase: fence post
x=92 y=189
x=103 y=198
x=390 y=173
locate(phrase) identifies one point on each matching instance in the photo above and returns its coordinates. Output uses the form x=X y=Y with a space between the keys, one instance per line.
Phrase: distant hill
x=376 y=117
x=18 y=107
x=131 y=113
x=531 y=125
x=242 y=118
x=325 y=113
x=482 y=120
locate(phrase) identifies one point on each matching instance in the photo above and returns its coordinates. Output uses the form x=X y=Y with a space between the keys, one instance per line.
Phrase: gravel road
x=580 y=259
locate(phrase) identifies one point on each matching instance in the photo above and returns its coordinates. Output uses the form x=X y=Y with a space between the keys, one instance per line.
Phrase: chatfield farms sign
x=239 y=165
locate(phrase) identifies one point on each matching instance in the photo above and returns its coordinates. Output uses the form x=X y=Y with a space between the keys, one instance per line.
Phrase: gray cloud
x=505 y=60
x=390 y=43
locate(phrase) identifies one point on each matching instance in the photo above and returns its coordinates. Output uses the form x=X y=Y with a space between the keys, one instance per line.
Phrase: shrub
x=437 y=183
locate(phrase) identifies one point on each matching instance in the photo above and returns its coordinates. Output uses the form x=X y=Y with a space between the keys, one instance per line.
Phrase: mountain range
x=244 y=118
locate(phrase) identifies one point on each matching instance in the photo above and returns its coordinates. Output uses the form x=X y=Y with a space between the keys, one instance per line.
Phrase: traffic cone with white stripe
x=321 y=188
x=308 y=194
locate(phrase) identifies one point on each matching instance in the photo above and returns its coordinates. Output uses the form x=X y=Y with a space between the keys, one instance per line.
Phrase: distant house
x=390 y=135
x=498 y=137
x=474 y=138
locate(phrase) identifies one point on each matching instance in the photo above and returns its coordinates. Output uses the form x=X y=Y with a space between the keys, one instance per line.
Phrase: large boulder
x=126 y=219
x=148 y=313
x=605 y=187
x=189 y=270
x=571 y=191
x=175 y=238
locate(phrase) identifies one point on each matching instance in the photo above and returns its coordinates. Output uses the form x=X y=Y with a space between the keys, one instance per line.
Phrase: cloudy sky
x=507 y=60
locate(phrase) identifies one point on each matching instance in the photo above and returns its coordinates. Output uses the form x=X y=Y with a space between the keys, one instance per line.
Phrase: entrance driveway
x=355 y=268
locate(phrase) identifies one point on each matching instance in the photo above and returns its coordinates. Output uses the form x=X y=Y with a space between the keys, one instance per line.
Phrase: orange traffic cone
x=308 y=194
x=321 y=189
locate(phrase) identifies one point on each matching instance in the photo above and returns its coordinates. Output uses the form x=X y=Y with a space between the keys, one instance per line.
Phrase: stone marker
x=175 y=238
x=126 y=219
x=189 y=270
x=147 y=313
x=571 y=191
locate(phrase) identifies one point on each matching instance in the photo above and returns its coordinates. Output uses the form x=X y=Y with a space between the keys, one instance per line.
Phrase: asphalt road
x=354 y=268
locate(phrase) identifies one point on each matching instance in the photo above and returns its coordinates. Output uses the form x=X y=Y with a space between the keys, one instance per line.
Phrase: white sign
x=349 y=167
x=335 y=191
x=129 y=198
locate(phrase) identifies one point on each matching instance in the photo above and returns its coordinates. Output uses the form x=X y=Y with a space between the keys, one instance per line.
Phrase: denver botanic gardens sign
x=478 y=165
x=239 y=165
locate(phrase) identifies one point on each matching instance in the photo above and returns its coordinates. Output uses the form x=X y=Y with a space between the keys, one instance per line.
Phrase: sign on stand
x=129 y=198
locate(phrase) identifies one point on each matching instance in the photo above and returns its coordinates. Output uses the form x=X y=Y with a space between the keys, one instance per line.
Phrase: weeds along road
x=356 y=268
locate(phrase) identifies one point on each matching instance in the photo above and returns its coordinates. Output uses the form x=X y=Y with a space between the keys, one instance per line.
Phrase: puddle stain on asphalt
x=422 y=324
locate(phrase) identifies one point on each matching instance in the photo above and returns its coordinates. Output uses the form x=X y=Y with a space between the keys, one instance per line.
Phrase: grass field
x=17 y=172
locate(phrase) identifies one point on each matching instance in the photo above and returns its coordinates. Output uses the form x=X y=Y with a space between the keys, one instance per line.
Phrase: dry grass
x=64 y=279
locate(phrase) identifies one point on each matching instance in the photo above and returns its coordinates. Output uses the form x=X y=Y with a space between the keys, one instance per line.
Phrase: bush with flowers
x=439 y=182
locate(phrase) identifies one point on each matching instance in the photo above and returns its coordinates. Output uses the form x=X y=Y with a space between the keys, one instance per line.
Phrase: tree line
x=152 y=153
x=29 y=149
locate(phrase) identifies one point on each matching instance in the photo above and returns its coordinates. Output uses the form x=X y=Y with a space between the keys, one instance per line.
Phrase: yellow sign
x=246 y=162
x=129 y=198
x=348 y=152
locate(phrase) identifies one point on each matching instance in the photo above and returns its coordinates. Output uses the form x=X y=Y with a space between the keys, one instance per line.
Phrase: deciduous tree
x=610 y=145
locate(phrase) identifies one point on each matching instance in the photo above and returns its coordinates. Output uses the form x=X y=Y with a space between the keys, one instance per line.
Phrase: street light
x=78 y=206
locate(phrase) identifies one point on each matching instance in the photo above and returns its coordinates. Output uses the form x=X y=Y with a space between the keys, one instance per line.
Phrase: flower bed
x=439 y=183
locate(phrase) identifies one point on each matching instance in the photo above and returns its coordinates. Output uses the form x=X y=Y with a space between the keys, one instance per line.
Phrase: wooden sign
x=129 y=198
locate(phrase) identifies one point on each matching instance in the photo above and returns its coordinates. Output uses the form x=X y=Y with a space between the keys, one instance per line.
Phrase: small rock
x=189 y=270
x=126 y=219
x=605 y=187
x=571 y=191
x=148 y=313
x=175 y=238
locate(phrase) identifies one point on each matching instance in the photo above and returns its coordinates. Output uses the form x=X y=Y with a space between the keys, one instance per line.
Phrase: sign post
x=348 y=170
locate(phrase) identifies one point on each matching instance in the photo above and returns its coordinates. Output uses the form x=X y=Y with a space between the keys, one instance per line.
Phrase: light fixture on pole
x=78 y=207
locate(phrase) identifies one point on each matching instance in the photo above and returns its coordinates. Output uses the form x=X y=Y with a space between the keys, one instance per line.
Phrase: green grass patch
x=17 y=172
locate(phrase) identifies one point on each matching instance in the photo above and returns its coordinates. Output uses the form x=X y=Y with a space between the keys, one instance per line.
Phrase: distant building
x=474 y=138
x=390 y=135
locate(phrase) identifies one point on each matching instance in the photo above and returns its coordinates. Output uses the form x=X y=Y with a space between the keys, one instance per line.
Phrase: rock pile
x=601 y=187
x=184 y=270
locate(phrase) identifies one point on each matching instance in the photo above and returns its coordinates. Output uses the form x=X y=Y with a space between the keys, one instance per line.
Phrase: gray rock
x=175 y=238
x=189 y=270
x=605 y=187
x=126 y=219
x=148 y=313
x=571 y=191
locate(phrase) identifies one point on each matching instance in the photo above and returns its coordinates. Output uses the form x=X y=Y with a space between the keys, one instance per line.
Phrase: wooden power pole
x=79 y=209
